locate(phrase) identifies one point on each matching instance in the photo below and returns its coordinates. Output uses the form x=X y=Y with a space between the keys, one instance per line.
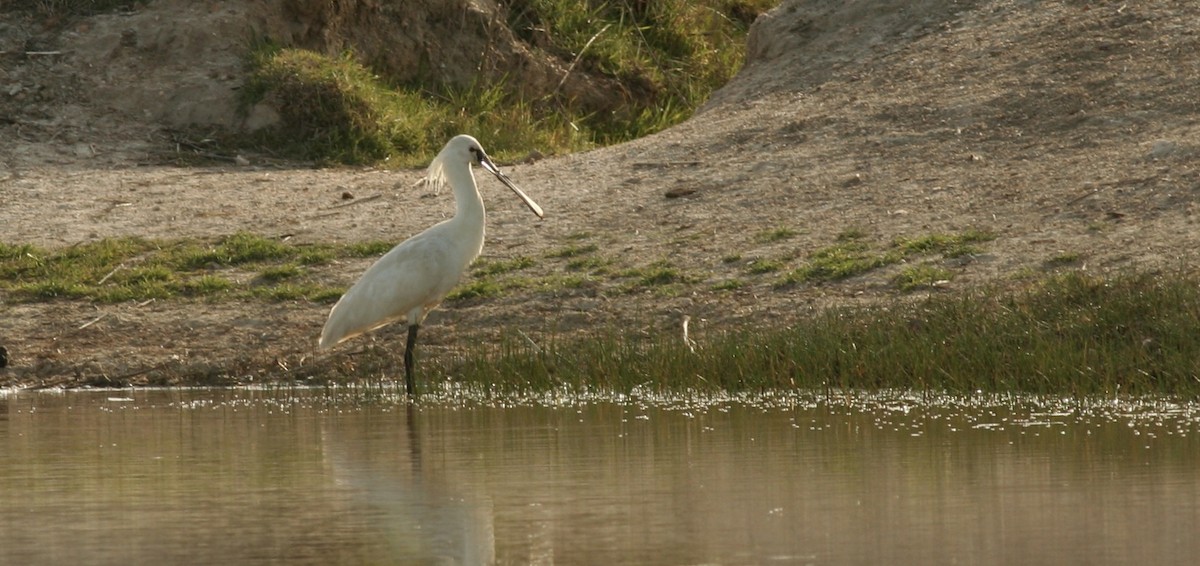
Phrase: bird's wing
x=404 y=283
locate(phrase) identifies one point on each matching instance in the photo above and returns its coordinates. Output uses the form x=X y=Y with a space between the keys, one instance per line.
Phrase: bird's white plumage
x=414 y=277
x=406 y=283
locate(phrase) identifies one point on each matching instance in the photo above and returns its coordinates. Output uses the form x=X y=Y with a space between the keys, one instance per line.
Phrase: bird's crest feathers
x=435 y=175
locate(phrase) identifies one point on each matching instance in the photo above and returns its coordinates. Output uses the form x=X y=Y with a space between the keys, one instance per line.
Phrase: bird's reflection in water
x=421 y=517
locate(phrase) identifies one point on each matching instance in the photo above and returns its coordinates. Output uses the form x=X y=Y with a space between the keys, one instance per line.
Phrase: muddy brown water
x=321 y=477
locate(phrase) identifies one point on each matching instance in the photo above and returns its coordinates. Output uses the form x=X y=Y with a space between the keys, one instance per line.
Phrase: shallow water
x=313 y=477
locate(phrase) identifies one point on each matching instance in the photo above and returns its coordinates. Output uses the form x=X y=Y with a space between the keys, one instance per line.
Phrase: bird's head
x=465 y=150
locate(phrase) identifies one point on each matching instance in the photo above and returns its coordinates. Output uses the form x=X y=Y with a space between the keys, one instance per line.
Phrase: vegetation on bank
x=248 y=266
x=1069 y=334
x=670 y=55
x=116 y=270
x=335 y=110
x=1062 y=333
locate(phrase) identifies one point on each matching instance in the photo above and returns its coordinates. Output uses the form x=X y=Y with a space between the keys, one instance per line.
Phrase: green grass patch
x=851 y=234
x=238 y=249
x=494 y=278
x=776 y=235
x=948 y=245
x=363 y=249
x=592 y=264
x=309 y=256
x=656 y=274
x=660 y=278
x=573 y=250
x=729 y=285
x=476 y=289
x=853 y=255
x=1070 y=335
x=556 y=283
x=922 y=276
x=1062 y=260
x=277 y=273
x=486 y=268
x=839 y=261
x=205 y=285
x=135 y=269
x=580 y=257
x=239 y=266
x=762 y=265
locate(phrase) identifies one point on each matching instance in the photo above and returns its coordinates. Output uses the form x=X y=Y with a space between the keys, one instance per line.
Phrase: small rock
x=261 y=116
x=129 y=38
x=680 y=192
x=1161 y=149
x=533 y=157
x=347 y=195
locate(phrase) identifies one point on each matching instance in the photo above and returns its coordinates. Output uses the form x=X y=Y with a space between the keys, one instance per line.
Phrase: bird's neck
x=468 y=204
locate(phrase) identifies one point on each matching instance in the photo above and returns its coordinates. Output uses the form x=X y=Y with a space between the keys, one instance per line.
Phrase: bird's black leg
x=408 y=358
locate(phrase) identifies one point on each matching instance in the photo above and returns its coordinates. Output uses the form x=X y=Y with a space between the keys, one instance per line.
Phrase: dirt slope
x=1067 y=128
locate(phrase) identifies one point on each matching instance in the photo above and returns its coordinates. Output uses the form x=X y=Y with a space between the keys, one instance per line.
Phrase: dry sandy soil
x=1063 y=127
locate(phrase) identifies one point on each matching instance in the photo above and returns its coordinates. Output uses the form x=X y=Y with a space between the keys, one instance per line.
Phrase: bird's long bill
x=491 y=167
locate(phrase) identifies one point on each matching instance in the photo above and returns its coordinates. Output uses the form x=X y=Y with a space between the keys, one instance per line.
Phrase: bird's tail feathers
x=337 y=329
x=327 y=340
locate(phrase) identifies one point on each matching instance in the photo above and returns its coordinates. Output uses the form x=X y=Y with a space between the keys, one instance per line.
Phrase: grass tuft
x=948 y=245
x=366 y=249
x=476 y=289
x=593 y=264
x=839 y=261
x=654 y=275
x=276 y=273
x=1063 y=259
x=729 y=285
x=237 y=249
x=775 y=235
x=922 y=276
x=204 y=285
x=760 y=266
x=573 y=250
x=485 y=268
x=853 y=255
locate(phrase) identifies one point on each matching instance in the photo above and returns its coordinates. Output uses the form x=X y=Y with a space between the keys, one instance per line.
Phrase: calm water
x=256 y=477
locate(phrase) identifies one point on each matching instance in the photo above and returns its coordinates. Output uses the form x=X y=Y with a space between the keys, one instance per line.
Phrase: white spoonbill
x=414 y=277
